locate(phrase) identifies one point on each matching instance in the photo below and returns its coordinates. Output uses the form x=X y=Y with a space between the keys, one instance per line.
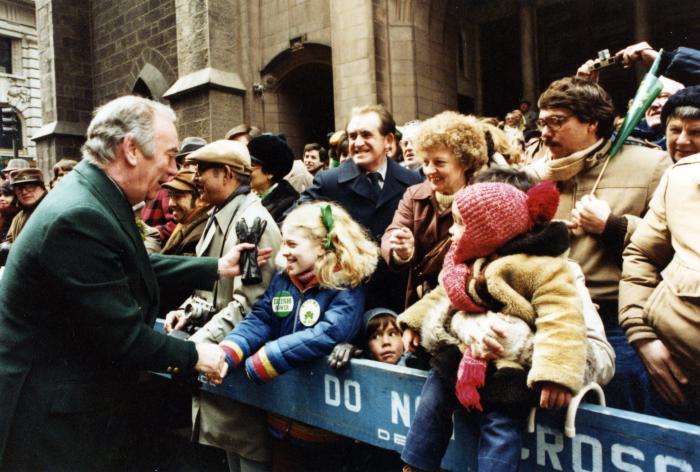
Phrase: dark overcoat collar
x=394 y=181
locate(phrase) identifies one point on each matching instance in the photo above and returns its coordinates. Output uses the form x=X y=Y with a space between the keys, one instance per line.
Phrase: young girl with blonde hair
x=316 y=302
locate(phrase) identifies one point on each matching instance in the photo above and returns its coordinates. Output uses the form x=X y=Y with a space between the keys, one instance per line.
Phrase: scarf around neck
x=565 y=168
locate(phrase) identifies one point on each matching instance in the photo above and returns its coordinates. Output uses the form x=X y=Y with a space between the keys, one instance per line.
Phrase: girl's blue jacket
x=290 y=326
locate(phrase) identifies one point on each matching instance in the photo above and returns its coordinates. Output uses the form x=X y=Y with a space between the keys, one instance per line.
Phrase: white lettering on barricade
x=351 y=393
x=352 y=402
x=616 y=453
x=596 y=458
x=400 y=406
x=399 y=439
x=549 y=449
x=332 y=388
x=662 y=463
x=383 y=434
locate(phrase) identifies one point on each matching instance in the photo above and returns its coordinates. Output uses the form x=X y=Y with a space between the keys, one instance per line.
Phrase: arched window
x=141 y=89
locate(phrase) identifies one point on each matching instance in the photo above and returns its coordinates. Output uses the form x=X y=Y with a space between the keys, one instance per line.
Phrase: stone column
x=528 y=52
x=66 y=80
x=209 y=93
x=354 y=64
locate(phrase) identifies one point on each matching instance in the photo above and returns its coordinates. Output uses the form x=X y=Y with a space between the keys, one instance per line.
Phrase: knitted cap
x=493 y=213
x=687 y=96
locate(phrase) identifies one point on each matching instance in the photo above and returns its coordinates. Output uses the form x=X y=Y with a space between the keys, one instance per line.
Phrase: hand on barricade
x=341 y=355
x=554 y=396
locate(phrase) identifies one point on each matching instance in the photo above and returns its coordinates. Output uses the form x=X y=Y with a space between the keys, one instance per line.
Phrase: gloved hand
x=341 y=355
x=250 y=272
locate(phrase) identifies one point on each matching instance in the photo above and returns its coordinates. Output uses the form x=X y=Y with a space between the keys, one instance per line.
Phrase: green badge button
x=282 y=303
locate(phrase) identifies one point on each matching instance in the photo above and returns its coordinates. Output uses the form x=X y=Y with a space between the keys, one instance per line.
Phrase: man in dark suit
x=369 y=186
x=79 y=297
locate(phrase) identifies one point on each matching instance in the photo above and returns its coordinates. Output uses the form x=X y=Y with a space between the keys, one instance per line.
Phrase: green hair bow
x=327 y=219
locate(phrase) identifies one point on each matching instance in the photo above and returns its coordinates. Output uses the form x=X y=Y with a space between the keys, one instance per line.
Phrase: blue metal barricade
x=375 y=403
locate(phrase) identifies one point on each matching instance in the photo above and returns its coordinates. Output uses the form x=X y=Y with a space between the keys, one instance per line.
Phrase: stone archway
x=298 y=95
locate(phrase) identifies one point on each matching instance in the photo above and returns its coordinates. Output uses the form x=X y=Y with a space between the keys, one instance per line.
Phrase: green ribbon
x=327 y=219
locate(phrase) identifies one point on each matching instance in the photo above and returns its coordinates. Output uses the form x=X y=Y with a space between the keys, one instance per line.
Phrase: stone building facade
x=299 y=66
x=19 y=74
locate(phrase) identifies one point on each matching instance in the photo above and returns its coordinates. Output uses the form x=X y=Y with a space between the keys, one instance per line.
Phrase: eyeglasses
x=202 y=167
x=553 y=122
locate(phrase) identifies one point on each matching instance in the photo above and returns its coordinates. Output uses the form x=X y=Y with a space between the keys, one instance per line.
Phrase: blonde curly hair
x=462 y=135
x=353 y=256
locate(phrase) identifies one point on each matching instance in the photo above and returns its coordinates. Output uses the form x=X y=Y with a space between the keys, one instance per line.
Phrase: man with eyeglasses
x=29 y=188
x=576 y=121
x=222 y=175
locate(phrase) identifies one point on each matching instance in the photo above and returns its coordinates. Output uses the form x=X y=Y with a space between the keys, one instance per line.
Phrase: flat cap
x=26 y=176
x=16 y=164
x=182 y=182
x=225 y=152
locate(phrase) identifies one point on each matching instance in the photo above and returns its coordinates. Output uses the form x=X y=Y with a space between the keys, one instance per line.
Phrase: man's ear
x=130 y=149
x=593 y=127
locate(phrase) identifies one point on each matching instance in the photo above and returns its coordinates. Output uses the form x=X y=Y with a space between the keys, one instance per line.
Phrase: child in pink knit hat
x=505 y=276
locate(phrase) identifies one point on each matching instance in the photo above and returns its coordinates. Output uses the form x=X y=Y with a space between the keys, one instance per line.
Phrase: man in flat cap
x=29 y=188
x=79 y=297
x=191 y=214
x=223 y=177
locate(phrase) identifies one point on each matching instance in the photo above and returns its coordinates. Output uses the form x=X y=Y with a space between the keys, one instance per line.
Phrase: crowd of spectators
x=520 y=258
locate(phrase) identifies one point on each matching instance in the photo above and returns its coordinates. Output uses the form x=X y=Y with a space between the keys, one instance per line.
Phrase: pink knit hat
x=494 y=213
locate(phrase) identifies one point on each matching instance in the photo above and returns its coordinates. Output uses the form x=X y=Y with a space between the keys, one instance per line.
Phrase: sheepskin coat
x=537 y=293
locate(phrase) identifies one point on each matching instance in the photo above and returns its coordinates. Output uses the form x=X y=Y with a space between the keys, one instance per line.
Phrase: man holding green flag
x=576 y=121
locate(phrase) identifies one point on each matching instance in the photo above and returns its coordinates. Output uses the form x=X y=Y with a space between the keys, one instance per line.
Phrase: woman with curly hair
x=453 y=150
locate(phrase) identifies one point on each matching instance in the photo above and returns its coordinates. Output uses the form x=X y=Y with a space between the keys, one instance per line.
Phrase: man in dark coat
x=79 y=297
x=369 y=186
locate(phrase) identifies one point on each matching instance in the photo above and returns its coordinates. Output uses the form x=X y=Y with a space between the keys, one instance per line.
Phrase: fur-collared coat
x=537 y=292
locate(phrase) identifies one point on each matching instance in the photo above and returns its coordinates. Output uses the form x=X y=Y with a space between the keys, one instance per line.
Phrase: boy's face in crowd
x=682 y=137
x=408 y=148
x=312 y=161
x=457 y=228
x=385 y=344
x=299 y=250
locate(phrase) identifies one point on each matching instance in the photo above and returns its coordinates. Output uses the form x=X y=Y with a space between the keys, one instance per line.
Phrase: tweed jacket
x=78 y=300
x=660 y=286
x=538 y=290
x=627 y=186
x=218 y=421
x=419 y=213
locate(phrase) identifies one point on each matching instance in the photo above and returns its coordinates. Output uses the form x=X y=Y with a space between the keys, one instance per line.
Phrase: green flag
x=649 y=89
